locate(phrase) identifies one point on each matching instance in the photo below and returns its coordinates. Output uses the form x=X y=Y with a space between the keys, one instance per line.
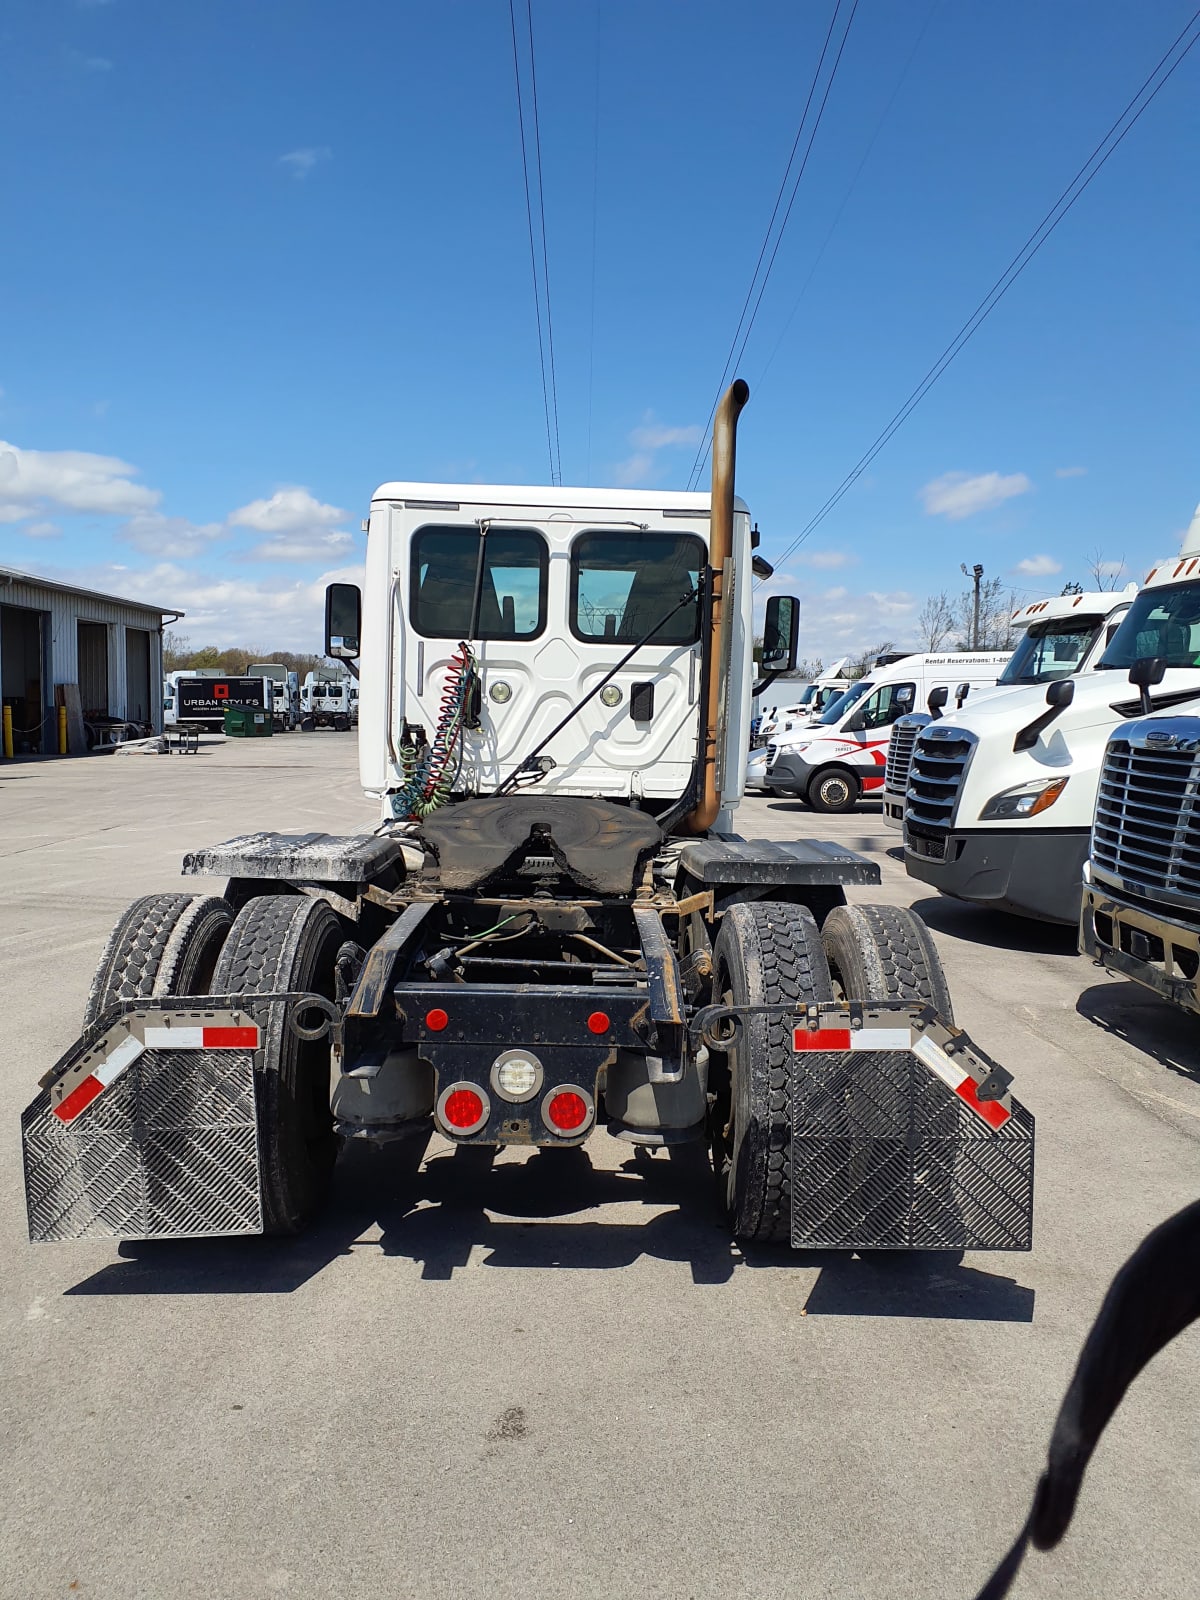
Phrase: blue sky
x=260 y=257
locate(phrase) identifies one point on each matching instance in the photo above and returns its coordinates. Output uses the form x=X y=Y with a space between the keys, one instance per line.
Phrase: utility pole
x=976 y=573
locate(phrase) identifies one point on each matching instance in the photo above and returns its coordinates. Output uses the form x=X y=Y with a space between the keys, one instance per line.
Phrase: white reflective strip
x=936 y=1059
x=174 y=1038
x=881 y=1039
x=117 y=1060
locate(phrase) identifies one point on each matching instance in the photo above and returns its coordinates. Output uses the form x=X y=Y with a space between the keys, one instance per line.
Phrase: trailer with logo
x=554 y=935
x=193 y=700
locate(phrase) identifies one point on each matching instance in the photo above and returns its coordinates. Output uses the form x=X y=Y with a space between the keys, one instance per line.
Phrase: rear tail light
x=567 y=1109
x=463 y=1108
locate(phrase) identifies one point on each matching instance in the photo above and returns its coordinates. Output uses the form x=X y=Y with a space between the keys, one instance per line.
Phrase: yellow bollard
x=62 y=730
x=8 y=750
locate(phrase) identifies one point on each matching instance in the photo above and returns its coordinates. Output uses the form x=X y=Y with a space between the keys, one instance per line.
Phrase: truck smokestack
x=720 y=535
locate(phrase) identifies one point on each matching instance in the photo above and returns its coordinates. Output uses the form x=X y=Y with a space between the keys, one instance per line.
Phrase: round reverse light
x=516 y=1075
x=500 y=692
x=463 y=1108
x=567 y=1109
x=610 y=695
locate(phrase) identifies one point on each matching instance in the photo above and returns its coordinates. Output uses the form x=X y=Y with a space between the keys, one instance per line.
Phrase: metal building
x=53 y=635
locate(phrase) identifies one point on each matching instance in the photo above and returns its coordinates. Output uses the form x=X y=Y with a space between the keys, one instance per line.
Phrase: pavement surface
x=562 y=1379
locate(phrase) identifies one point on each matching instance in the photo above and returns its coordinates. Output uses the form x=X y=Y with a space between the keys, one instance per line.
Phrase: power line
x=548 y=385
x=1066 y=200
x=745 y=326
x=592 y=298
x=537 y=140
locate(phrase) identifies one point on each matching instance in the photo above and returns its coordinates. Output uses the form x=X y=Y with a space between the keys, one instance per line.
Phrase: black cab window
x=622 y=583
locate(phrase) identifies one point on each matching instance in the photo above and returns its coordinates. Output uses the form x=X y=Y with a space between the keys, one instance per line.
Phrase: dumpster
x=248 y=722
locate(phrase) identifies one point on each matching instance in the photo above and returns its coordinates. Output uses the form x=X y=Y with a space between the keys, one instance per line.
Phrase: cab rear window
x=623 y=583
x=512 y=591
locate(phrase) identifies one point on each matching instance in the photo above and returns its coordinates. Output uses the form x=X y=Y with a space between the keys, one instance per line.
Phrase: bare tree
x=860 y=665
x=808 y=670
x=1105 y=574
x=996 y=606
x=935 y=623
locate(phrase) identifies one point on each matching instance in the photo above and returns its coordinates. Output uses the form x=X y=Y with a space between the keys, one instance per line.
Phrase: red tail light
x=436 y=1019
x=463 y=1108
x=598 y=1022
x=566 y=1110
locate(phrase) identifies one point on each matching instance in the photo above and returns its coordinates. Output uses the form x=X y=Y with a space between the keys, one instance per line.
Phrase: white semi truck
x=555 y=930
x=1062 y=636
x=327 y=700
x=1000 y=795
x=285 y=692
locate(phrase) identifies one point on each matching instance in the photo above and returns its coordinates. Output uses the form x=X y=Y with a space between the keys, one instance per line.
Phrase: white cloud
x=68 y=480
x=650 y=437
x=840 y=621
x=956 y=495
x=1070 y=472
x=91 y=63
x=289 y=510
x=1038 y=567
x=42 y=530
x=827 y=560
x=306 y=547
x=301 y=162
x=171 y=538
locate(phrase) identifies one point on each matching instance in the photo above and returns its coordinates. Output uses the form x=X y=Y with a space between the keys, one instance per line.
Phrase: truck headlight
x=1023 y=800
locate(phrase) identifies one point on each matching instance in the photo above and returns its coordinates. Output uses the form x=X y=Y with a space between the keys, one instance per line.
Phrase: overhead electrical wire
x=541 y=287
x=746 y=320
x=1118 y=131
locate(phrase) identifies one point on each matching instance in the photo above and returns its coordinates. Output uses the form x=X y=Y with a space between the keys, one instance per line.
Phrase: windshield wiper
x=528 y=765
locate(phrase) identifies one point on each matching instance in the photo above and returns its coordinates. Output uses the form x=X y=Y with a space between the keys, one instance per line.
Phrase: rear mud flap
x=148 y=1127
x=903 y=1134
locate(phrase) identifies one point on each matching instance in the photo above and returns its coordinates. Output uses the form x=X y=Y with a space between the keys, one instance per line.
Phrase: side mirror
x=961 y=693
x=937 y=699
x=1144 y=674
x=343 y=620
x=1061 y=692
x=781 y=634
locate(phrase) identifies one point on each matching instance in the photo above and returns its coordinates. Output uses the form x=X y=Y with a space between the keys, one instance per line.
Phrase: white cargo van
x=1001 y=795
x=841 y=755
x=1064 y=636
x=810 y=701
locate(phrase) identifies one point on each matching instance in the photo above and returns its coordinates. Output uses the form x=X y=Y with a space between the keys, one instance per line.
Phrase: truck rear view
x=555 y=930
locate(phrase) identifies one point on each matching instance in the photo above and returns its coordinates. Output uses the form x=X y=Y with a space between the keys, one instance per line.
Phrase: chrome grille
x=1147 y=825
x=900 y=749
x=939 y=763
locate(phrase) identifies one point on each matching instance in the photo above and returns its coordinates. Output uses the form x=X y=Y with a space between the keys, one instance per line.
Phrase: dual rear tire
x=178 y=944
x=770 y=953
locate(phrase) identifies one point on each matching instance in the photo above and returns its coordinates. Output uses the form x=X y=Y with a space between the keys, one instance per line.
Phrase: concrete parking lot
x=559 y=1377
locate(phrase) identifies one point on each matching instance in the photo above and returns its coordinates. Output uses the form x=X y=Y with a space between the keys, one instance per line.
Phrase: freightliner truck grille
x=939 y=763
x=1147 y=828
x=900 y=750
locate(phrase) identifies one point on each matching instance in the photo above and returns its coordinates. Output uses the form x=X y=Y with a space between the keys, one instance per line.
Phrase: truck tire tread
x=164 y=944
x=885 y=952
x=766 y=953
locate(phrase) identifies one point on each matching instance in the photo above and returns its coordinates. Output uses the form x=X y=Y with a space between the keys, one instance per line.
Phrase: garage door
x=93 y=668
x=137 y=675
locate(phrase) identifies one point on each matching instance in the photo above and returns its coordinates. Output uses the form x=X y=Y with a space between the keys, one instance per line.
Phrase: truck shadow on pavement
x=533 y=1214
x=1141 y=1019
x=973 y=925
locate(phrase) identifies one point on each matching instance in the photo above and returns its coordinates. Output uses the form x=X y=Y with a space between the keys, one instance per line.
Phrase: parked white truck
x=285 y=692
x=837 y=757
x=1001 y=795
x=555 y=930
x=326 y=702
x=1063 y=636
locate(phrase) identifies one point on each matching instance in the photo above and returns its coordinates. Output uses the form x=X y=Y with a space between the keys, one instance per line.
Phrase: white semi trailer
x=555 y=929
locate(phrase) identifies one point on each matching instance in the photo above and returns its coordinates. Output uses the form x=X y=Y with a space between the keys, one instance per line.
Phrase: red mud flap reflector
x=904 y=1136
x=130 y=1048
x=148 y=1129
x=956 y=1078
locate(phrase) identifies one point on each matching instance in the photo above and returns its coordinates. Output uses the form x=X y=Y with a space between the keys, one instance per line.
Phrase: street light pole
x=976 y=573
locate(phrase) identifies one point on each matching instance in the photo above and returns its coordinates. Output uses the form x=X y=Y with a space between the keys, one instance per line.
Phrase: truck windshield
x=1161 y=622
x=621 y=583
x=838 y=709
x=1051 y=650
x=512 y=600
